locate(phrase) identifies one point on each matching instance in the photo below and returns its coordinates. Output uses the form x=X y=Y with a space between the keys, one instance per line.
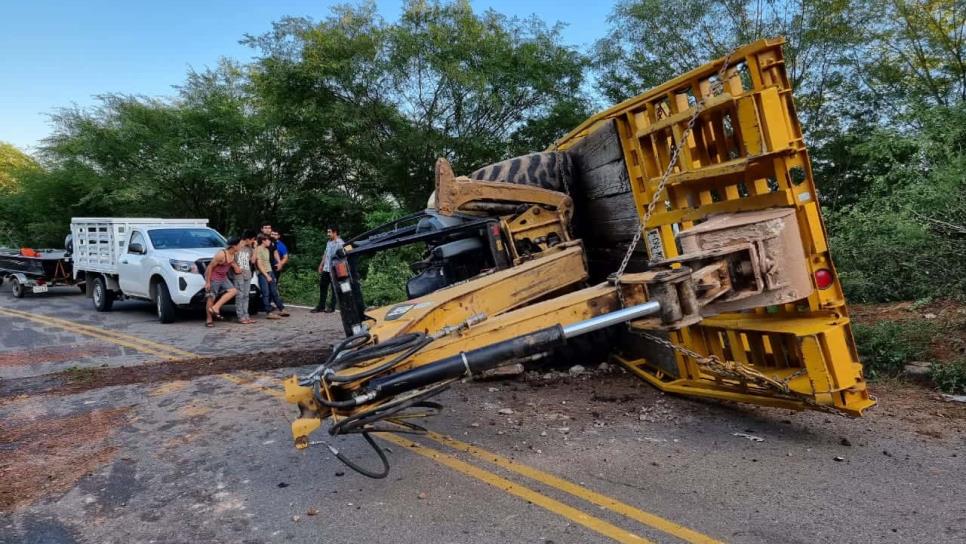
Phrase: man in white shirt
x=325 y=278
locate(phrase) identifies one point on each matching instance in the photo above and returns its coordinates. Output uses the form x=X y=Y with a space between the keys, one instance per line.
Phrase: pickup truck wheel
x=162 y=301
x=16 y=288
x=102 y=297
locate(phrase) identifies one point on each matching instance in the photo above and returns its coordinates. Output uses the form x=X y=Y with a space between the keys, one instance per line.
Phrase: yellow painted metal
x=745 y=153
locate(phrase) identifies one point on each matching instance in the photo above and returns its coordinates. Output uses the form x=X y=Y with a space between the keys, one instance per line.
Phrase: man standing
x=281 y=254
x=325 y=278
x=266 y=279
x=272 y=264
x=243 y=276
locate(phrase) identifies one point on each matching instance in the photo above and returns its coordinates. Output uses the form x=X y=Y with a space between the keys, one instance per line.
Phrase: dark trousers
x=326 y=285
x=269 y=294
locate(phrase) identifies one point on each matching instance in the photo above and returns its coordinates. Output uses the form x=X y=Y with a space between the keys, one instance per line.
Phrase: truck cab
x=158 y=260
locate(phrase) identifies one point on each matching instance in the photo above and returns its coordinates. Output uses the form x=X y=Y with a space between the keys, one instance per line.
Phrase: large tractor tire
x=551 y=170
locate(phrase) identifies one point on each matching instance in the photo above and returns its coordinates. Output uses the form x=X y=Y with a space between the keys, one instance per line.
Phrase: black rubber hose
x=405 y=351
x=364 y=471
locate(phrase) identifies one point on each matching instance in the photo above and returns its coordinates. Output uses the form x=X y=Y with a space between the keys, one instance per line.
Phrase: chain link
x=656 y=196
x=711 y=363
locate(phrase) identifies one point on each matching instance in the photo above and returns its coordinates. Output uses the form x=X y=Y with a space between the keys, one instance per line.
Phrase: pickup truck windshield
x=185 y=238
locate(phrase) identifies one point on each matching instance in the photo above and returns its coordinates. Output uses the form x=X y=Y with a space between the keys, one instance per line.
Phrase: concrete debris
x=954 y=398
x=312 y=511
x=845 y=442
x=505 y=411
x=422 y=495
x=576 y=370
x=493 y=389
x=296 y=518
x=838 y=458
x=543 y=433
x=930 y=316
x=605 y=367
x=751 y=437
x=564 y=430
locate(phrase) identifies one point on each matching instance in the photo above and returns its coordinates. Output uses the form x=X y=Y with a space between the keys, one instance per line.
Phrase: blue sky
x=58 y=53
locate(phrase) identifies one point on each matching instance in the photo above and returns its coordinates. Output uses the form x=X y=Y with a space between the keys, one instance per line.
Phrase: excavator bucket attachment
x=745 y=153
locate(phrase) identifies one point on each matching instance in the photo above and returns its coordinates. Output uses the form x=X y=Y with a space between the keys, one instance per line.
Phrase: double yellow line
x=163 y=351
x=596 y=524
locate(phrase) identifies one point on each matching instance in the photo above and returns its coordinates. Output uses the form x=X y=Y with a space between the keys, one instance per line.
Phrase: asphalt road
x=599 y=457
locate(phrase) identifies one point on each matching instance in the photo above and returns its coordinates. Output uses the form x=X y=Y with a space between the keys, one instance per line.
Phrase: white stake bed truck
x=158 y=260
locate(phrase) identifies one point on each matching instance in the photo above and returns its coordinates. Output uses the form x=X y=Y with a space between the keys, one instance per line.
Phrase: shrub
x=886 y=347
x=949 y=377
x=300 y=286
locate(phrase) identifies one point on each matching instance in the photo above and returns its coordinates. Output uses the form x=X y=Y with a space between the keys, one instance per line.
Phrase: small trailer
x=35 y=271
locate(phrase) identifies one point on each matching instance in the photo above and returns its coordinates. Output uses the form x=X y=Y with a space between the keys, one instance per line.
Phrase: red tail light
x=495 y=229
x=824 y=278
x=341 y=270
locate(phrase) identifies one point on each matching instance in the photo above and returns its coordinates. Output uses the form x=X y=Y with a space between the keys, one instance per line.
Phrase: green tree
x=389 y=98
x=12 y=162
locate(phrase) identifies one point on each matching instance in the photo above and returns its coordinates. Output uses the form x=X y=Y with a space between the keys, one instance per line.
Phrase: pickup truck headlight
x=183 y=266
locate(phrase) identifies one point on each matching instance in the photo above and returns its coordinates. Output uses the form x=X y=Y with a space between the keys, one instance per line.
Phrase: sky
x=56 y=54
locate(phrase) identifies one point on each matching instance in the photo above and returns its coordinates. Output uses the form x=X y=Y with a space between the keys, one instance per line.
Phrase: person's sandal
x=272 y=316
x=284 y=314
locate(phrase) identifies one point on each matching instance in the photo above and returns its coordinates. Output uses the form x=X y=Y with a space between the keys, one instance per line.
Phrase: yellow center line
x=134 y=342
x=163 y=354
x=591 y=522
x=576 y=490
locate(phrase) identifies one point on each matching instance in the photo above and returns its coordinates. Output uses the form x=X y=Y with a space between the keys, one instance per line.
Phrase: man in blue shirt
x=281 y=253
x=325 y=266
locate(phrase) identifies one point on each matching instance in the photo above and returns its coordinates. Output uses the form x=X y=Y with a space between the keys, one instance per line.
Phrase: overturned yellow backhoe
x=732 y=294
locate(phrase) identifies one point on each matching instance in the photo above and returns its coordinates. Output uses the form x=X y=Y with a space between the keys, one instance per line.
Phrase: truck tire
x=163 y=304
x=551 y=170
x=102 y=297
x=16 y=288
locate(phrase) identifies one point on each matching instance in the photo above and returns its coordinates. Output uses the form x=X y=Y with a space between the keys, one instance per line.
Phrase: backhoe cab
x=733 y=297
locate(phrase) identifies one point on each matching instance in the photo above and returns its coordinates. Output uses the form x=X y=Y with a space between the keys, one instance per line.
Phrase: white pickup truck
x=159 y=260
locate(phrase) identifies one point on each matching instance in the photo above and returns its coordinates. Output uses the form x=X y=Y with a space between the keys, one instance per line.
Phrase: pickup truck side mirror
x=136 y=248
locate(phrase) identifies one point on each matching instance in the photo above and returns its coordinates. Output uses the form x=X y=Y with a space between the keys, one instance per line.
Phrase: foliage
x=12 y=162
x=900 y=232
x=651 y=41
x=300 y=286
x=442 y=81
x=887 y=346
x=949 y=377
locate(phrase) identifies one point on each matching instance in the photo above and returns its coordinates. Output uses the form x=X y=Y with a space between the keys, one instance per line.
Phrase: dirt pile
x=76 y=380
x=46 y=457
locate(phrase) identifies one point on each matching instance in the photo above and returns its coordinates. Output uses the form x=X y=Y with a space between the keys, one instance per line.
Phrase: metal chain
x=656 y=196
x=711 y=363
